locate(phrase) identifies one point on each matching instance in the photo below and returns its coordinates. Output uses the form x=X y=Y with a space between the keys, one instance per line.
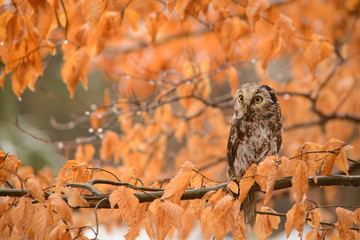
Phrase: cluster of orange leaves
x=217 y=211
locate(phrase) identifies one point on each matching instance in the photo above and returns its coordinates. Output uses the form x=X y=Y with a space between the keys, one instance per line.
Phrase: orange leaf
x=246 y=182
x=282 y=32
x=22 y=215
x=215 y=197
x=268 y=47
x=315 y=218
x=233 y=79
x=340 y=159
x=341 y=162
x=61 y=232
x=35 y=189
x=84 y=152
x=153 y=24
x=80 y=173
x=253 y=10
x=24 y=75
x=11 y=162
x=262 y=171
x=61 y=207
x=318 y=50
x=109 y=145
x=207 y=225
x=126 y=201
x=134 y=226
x=357 y=216
x=74 y=198
x=344 y=223
x=265 y=224
x=197 y=207
x=237 y=221
x=313 y=235
x=179 y=183
x=233 y=187
x=271 y=177
x=75 y=69
x=92 y=10
x=300 y=180
x=170 y=5
x=295 y=218
x=40 y=221
x=166 y=215
x=222 y=217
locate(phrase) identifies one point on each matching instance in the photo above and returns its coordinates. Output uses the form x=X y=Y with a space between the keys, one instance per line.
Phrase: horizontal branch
x=196 y=193
x=307 y=219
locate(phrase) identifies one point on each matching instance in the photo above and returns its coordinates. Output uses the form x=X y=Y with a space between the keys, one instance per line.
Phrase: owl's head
x=253 y=99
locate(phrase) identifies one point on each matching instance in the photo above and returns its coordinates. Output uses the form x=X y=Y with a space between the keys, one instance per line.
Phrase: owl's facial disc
x=250 y=101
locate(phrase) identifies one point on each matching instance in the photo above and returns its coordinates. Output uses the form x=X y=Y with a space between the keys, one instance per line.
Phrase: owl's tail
x=249 y=208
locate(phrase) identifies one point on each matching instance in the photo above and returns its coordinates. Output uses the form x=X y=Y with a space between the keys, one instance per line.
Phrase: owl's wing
x=232 y=145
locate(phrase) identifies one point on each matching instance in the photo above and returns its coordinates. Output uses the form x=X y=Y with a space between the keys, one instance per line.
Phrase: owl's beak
x=246 y=108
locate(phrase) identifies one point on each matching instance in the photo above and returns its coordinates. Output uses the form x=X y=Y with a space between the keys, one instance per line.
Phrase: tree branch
x=189 y=194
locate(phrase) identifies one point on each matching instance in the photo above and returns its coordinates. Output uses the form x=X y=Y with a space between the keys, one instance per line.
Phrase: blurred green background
x=34 y=112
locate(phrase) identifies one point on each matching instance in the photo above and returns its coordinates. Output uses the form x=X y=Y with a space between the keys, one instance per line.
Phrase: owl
x=255 y=133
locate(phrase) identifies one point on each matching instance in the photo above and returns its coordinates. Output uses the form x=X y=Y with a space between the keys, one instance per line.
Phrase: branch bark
x=189 y=194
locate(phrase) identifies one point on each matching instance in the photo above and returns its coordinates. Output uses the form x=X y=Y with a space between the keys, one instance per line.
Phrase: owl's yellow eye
x=258 y=99
x=241 y=98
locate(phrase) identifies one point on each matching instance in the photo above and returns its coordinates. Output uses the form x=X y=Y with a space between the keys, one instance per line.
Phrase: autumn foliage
x=155 y=154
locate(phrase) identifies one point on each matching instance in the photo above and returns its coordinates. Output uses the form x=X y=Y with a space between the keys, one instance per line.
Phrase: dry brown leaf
x=246 y=182
x=344 y=223
x=24 y=75
x=153 y=24
x=61 y=207
x=92 y=10
x=215 y=197
x=61 y=232
x=313 y=235
x=40 y=221
x=170 y=5
x=35 y=189
x=197 y=207
x=135 y=225
x=232 y=74
x=75 y=69
x=271 y=177
x=357 y=216
x=109 y=145
x=84 y=153
x=207 y=225
x=339 y=159
x=295 y=218
x=318 y=50
x=11 y=162
x=80 y=173
x=315 y=219
x=22 y=215
x=237 y=221
x=233 y=187
x=179 y=183
x=126 y=201
x=300 y=180
x=253 y=9
x=265 y=168
x=341 y=162
x=166 y=215
x=265 y=224
x=74 y=198
x=222 y=216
